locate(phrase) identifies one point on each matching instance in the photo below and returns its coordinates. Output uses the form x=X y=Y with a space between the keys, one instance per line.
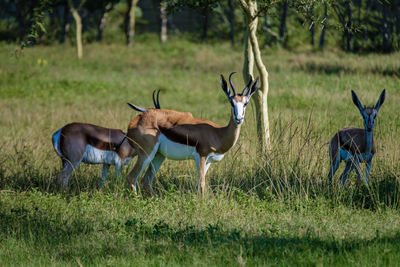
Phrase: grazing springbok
x=82 y=142
x=160 y=134
x=355 y=145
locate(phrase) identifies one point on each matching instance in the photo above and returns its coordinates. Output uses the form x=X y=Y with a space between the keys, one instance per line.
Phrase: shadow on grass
x=81 y=238
x=332 y=68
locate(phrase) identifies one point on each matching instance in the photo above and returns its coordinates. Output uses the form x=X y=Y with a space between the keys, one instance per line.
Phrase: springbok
x=355 y=145
x=82 y=142
x=160 y=134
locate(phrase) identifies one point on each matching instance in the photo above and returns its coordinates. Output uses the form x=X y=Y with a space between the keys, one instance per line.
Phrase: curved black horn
x=154 y=99
x=230 y=82
x=158 y=100
x=246 y=90
x=137 y=108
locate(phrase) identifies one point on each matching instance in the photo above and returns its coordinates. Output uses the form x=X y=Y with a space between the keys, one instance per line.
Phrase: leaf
x=42 y=28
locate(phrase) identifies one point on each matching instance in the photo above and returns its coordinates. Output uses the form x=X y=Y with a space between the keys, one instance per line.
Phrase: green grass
x=274 y=209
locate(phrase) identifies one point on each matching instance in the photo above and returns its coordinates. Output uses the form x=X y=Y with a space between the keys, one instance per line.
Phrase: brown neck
x=229 y=135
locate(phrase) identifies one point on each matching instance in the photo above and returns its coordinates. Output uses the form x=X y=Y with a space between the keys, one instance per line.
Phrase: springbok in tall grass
x=160 y=134
x=82 y=142
x=355 y=145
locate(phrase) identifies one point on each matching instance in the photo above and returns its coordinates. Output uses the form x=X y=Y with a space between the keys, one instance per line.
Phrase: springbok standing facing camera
x=160 y=134
x=82 y=142
x=355 y=145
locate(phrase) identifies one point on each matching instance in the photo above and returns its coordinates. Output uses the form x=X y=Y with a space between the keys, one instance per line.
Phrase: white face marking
x=239 y=110
x=175 y=151
x=369 y=120
x=94 y=155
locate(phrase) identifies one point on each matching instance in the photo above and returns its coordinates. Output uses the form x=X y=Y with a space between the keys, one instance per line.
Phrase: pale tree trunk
x=103 y=21
x=163 y=18
x=131 y=22
x=253 y=55
x=322 y=37
x=248 y=64
x=78 y=23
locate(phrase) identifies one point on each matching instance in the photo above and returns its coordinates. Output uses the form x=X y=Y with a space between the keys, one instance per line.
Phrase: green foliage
x=37 y=23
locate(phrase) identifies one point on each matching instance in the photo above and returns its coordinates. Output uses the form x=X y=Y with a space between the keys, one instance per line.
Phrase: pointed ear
x=380 y=100
x=253 y=88
x=225 y=87
x=356 y=101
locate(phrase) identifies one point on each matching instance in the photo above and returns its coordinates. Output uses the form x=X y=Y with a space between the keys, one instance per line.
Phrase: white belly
x=175 y=151
x=94 y=155
x=214 y=157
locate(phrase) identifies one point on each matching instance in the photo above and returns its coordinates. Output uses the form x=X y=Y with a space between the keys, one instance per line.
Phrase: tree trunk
x=231 y=18
x=248 y=62
x=385 y=32
x=366 y=22
x=164 y=20
x=102 y=22
x=348 y=26
x=322 y=37
x=253 y=54
x=78 y=23
x=131 y=21
x=282 y=27
x=312 y=28
x=206 y=14
x=65 y=25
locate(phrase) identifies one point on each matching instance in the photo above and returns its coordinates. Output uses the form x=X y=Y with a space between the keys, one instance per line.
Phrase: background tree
x=130 y=21
x=323 y=29
x=78 y=25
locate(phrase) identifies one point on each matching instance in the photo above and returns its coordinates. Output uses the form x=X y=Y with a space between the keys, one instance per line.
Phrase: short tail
x=56 y=142
x=137 y=108
x=334 y=155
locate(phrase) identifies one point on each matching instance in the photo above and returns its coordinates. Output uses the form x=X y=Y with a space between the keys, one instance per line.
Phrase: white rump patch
x=56 y=142
x=94 y=155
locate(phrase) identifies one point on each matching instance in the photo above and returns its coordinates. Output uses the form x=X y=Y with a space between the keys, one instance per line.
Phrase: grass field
x=274 y=209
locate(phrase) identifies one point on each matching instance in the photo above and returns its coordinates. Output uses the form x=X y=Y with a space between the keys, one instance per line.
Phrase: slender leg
x=334 y=165
x=202 y=174
x=117 y=171
x=75 y=156
x=141 y=164
x=334 y=156
x=68 y=169
x=345 y=173
x=152 y=171
x=197 y=159
x=356 y=166
x=367 y=170
x=104 y=174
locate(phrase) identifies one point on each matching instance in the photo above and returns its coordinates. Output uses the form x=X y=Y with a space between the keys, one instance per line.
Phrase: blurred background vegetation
x=351 y=25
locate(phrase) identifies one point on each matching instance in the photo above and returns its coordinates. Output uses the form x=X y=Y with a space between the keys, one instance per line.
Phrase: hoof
x=132 y=187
